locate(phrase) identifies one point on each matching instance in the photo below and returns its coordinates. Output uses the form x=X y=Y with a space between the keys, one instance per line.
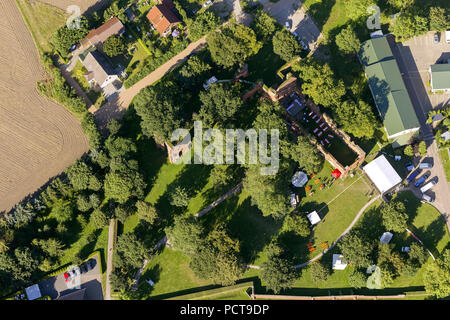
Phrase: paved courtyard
x=418 y=54
x=292 y=12
x=91 y=281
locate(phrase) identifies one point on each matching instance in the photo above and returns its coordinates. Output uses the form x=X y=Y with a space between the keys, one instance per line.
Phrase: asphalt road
x=92 y=280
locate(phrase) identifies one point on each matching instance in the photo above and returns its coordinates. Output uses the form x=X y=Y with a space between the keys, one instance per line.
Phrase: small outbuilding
x=446 y=136
x=33 y=292
x=338 y=262
x=382 y=174
x=336 y=173
x=299 y=179
x=313 y=217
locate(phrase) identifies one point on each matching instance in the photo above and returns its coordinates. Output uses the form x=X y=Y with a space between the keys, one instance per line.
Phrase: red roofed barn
x=162 y=18
x=99 y=35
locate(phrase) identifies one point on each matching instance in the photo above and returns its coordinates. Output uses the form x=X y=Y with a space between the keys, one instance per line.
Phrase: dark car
x=436 y=38
x=83 y=267
x=409 y=166
x=90 y=264
x=413 y=175
x=421 y=180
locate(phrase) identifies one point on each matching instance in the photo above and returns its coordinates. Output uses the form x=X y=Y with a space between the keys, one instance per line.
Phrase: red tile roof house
x=98 y=36
x=162 y=18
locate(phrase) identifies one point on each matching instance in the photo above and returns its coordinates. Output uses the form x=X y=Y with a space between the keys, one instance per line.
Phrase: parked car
x=83 y=268
x=73 y=47
x=421 y=180
x=409 y=166
x=90 y=264
x=207 y=3
x=427 y=187
x=436 y=37
x=72 y=273
x=425 y=165
x=405 y=249
x=427 y=198
x=413 y=175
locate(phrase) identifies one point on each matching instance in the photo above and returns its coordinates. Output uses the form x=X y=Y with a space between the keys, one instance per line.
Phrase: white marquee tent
x=299 y=179
x=313 y=217
x=338 y=262
x=382 y=174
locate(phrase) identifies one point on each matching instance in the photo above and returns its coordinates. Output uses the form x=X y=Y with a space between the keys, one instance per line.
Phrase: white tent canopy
x=33 y=292
x=299 y=179
x=386 y=237
x=313 y=217
x=382 y=174
x=338 y=262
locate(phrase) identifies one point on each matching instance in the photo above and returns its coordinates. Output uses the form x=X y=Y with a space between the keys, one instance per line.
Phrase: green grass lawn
x=445 y=162
x=42 y=20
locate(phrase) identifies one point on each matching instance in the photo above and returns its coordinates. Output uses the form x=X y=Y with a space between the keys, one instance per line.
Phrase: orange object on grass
x=322 y=186
x=317 y=180
x=324 y=245
x=308 y=188
x=312 y=249
x=312 y=175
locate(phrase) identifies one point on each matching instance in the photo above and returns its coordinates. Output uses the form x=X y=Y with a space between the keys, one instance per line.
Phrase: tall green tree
x=319 y=273
x=319 y=82
x=219 y=104
x=264 y=25
x=122 y=185
x=285 y=45
x=347 y=41
x=439 y=19
x=129 y=251
x=305 y=154
x=356 y=119
x=277 y=272
x=437 y=276
x=114 y=46
x=356 y=248
x=407 y=25
x=234 y=44
x=202 y=24
x=146 y=211
x=394 y=216
x=185 y=234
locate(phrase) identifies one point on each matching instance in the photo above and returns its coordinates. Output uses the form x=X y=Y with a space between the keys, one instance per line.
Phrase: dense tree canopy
x=347 y=41
x=277 y=272
x=129 y=251
x=114 y=46
x=305 y=154
x=121 y=185
x=407 y=25
x=320 y=83
x=439 y=20
x=159 y=110
x=356 y=119
x=356 y=248
x=285 y=45
x=264 y=25
x=234 y=44
x=64 y=37
x=319 y=273
x=219 y=104
x=394 y=216
x=202 y=24
x=185 y=234
x=437 y=276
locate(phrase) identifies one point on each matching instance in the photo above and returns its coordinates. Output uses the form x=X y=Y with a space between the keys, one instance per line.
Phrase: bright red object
x=336 y=173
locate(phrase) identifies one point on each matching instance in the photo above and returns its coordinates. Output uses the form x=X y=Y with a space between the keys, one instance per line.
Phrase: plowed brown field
x=84 y=5
x=38 y=138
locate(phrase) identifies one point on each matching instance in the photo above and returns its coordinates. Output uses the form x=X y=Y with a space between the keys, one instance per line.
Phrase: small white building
x=382 y=174
x=313 y=217
x=338 y=262
x=209 y=82
x=33 y=292
x=446 y=135
x=386 y=238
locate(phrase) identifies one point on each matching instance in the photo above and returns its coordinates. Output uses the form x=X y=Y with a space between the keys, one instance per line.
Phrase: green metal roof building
x=389 y=91
x=440 y=77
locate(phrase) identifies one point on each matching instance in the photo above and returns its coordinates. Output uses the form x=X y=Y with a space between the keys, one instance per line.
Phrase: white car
x=207 y=3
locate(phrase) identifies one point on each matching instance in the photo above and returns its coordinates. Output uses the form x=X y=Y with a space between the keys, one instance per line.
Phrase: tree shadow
x=253 y=229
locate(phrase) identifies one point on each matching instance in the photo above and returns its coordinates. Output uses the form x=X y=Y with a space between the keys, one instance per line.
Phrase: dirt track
x=38 y=138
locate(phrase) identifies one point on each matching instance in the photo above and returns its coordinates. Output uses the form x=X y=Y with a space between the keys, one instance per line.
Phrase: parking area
x=414 y=58
x=418 y=54
x=91 y=281
x=292 y=12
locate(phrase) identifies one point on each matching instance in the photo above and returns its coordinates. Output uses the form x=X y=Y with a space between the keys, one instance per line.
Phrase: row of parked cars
x=419 y=182
x=79 y=270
